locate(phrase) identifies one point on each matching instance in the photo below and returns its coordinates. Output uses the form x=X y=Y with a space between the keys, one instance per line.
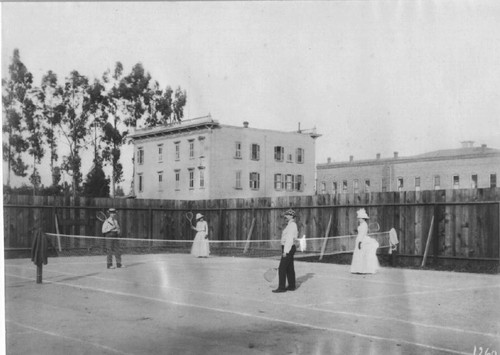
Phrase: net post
x=323 y=247
x=39 y=271
x=247 y=244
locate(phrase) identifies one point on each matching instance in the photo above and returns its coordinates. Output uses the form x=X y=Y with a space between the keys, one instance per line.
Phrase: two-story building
x=202 y=159
x=462 y=168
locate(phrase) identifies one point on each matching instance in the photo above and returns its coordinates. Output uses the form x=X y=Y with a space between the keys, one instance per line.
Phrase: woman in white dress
x=200 y=248
x=364 y=257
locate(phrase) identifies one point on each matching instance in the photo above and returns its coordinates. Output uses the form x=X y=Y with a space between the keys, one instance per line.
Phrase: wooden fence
x=466 y=222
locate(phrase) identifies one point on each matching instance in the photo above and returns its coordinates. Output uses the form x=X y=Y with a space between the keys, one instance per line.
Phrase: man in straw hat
x=111 y=231
x=286 y=270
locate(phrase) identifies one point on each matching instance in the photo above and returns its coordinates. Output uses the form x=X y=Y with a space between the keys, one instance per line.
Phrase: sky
x=370 y=76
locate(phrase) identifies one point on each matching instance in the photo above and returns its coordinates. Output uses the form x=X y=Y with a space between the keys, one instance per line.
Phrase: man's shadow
x=302 y=279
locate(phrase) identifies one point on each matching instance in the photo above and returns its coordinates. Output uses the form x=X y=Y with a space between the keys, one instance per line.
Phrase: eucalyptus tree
x=50 y=98
x=114 y=129
x=14 y=94
x=35 y=138
x=75 y=124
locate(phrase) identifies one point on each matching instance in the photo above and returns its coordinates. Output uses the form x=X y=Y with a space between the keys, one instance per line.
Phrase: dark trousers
x=112 y=247
x=286 y=269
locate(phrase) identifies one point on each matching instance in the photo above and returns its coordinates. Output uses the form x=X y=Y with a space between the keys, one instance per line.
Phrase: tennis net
x=78 y=245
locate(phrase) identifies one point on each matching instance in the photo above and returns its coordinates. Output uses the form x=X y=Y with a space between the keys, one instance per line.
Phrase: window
x=140 y=155
x=473 y=184
x=140 y=182
x=367 y=186
x=237 y=150
x=191 y=178
x=202 y=178
x=400 y=184
x=493 y=180
x=299 y=183
x=289 y=182
x=279 y=153
x=456 y=181
x=255 y=152
x=417 y=183
x=300 y=155
x=177 y=150
x=160 y=180
x=356 y=186
x=334 y=187
x=323 y=187
x=191 y=149
x=160 y=153
x=437 y=182
x=254 y=181
x=177 y=179
x=201 y=139
x=344 y=186
x=278 y=182
x=238 y=180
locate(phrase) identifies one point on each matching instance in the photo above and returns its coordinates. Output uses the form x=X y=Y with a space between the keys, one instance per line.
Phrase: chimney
x=245 y=124
x=378 y=156
x=351 y=158
x=395 y=155
x=467 y=144
x=483 y=146
x=328 y=160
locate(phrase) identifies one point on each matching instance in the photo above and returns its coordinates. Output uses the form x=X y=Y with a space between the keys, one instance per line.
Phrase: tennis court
x=178 y=304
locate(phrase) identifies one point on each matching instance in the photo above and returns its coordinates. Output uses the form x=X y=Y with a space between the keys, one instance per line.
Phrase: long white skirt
x=200 y=247
x=364 y=260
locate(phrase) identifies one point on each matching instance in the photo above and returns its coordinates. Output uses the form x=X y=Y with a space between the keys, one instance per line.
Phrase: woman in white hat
x=364 y=257
x=200 y=248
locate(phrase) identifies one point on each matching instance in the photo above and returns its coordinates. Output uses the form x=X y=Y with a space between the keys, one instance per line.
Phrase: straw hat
x=198 y=216
x=362 y=214
x=112 y=210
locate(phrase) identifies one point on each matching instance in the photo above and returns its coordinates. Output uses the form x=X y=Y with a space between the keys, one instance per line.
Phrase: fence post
x=150 y=229
x=436 y=234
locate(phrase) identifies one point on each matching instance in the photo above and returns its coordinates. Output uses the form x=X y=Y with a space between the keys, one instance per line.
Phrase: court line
x=272 y=319
x=67 y=337
x=414 y=293
x=306 y=307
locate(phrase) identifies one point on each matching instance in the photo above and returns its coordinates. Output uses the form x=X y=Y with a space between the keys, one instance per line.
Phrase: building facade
x=463 y=168
x=202 y=159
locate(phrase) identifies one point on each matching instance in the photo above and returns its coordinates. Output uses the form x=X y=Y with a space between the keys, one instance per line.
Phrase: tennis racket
x=101 y=216
x=373 y=227
x=270 y=274
x=189 y=217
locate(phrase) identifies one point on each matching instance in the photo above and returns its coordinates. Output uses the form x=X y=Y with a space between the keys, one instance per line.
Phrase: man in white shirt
x=286 y=269
x=111 y=231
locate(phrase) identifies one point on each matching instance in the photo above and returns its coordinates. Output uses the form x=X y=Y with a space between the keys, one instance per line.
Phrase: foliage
x=39 y=120
x=14 y=94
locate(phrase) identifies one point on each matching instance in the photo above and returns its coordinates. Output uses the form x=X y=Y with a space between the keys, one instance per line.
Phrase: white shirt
x=110 y=225
x=289 y=236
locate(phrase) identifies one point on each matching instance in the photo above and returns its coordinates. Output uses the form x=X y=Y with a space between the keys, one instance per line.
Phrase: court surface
x=178 y=304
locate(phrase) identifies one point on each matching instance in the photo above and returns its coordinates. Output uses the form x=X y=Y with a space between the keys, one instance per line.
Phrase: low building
x=463 y=168
x=202 y=159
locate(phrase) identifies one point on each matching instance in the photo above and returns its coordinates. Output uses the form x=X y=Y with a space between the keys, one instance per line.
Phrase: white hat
x=362 y=214
x=198 y=216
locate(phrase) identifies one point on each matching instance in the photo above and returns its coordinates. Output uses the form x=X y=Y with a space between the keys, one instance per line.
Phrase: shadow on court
x=303 y=279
